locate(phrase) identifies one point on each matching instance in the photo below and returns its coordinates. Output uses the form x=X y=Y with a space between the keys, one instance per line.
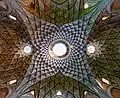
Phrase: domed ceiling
x=31 y=30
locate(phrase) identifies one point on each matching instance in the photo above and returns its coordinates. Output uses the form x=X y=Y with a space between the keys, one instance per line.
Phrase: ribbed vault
x=39 y=23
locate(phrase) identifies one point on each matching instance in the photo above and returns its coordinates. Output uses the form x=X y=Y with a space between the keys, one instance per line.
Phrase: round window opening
x=59 y=49
x=91 y=49
x=27 y=49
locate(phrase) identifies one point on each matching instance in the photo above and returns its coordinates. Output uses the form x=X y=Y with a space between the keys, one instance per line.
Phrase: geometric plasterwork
x=39 y=27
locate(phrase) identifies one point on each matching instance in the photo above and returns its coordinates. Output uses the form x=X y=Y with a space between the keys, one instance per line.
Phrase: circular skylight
x=86 y=5
x=91 y=49
x=59 y=49
x=27 y=49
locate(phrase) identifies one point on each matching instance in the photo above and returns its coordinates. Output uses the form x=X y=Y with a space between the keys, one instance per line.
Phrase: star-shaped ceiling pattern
x=40 y=26
x=70 y=88
x=13 y=62
x=107 y=60
x=43 y=33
